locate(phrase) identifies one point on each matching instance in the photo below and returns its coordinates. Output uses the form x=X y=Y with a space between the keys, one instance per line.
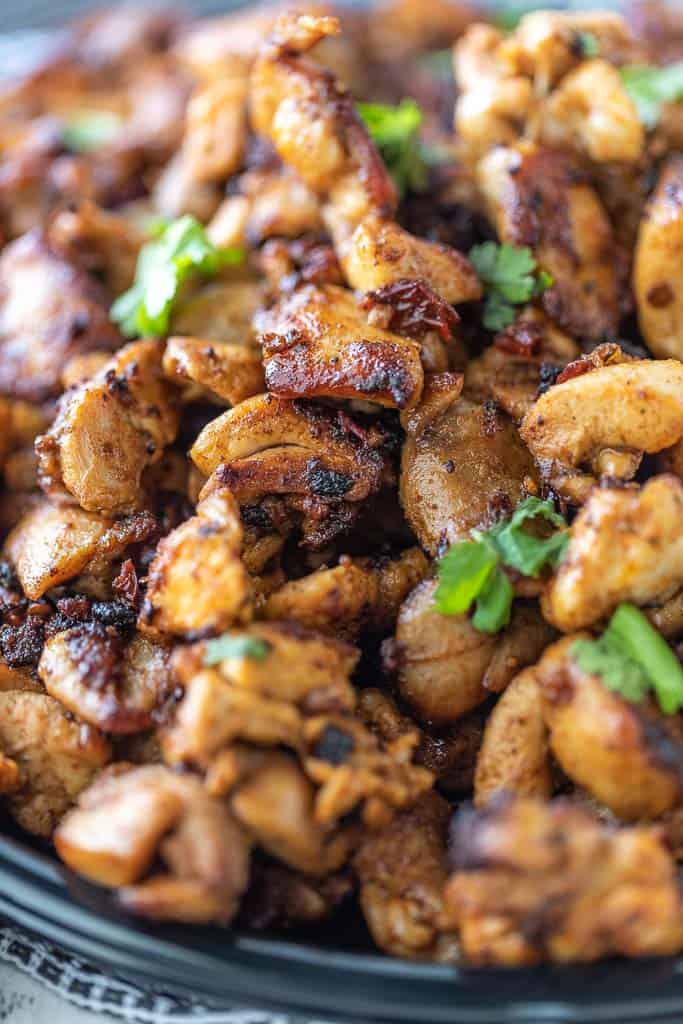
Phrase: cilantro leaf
x=395 y=132
x=472 y=571
x=494 y=603
x=651 y=87
x=463 y=571
x=632 y=658
x=510 y=276
x=231 y=646
x=91 y=129
x=179 y=249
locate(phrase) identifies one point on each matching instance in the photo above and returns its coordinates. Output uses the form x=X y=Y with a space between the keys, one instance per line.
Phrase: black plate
x=329 y=980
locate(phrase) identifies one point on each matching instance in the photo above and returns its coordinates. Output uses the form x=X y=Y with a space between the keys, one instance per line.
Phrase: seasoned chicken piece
x=57 y=756
x=54 y=543
x=356 y=595
x=280 y=897
x=280 y=205
x=514 y=753
x=109 y=431
x=220 y=311
x=49 y=312
x=216 y=129
x=131 y=817
x=198 y=584
x=318 y=343
x=462 y=464
x=628 y=756
x=591 y=113
x=100 y=242
x=380 y=252
x=226 y=372
x=536 y=881
x=402 y=871
x=537 y=198
x=107 y=682
x=601 y=421
x=176 y=193
x=657 y=277
x=625 y=545
x=446 y=667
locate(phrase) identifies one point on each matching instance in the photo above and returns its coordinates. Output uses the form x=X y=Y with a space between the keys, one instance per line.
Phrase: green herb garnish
x=510 y=276
x=178 y=250
x=91 y=129
x=472 y=571
x=395 y=132
x=231 y=646
x=588 y=45
x=651 y=87
x=631 y=658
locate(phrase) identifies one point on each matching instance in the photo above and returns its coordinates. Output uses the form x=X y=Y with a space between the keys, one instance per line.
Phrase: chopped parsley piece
x=588 y=45
x=178 y=250
x=510 y=276
x=395 y=132
x=651 y=87
x=231 y=646
x=631 y=659
x=91 y=129
x=472 y=571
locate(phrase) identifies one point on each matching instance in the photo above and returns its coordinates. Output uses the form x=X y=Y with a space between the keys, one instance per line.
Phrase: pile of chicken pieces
x=226 y=691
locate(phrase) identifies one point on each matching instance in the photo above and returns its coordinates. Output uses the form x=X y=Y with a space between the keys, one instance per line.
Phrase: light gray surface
x=25 y=1001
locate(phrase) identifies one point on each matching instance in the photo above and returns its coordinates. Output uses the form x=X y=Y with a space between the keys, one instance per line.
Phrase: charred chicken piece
x=225 y=372
x=56 y=756
x=536 y=881
x=402 y=871
x=130 y=817
x=109 y=431
x=628 y=756
x=318 y=344
x=197 y=583
x=461 y=464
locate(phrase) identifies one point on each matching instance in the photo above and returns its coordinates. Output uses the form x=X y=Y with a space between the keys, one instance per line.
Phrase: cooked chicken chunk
x=114 y=685
x=657 y=278
x=318 y=343
x=57 y=756
x=446 y=667
x=109 y=431
x=537 y=198
x=223 y=371
x=49 y=312
x=129 y=818
x=197 y=583
x=216 y=129
x=462 y=463
x=537 y=881
x=402 y=871
x=219 y=311
x=625 y=545
x=628 y=756
x=626 y=408
x=358 y=594
x=514 y=753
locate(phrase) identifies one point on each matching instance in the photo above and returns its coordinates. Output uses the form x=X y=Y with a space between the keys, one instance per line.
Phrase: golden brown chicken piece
x=198 y=584
x=225 y=372
x=216 y=129
x=57 y=756
x=402 y=871
x=357 y=595
x=625 y=545
x=49 y=312
x=657 y=278
x=318 y=344
x=536 y=881
x=54 y=543
x=536 y=197
x=462 y=465
x=514 y=752
x=599 y=423
x=109 y=431
x=220 y=311
x=130 y=817
x=97 y=241
x=112 y=684
x=628 y=756
x=446 y=667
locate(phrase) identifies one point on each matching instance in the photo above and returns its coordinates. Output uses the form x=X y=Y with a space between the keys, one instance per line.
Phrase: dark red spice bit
x=522 y=338
x=416 y=309
x=126 y=585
